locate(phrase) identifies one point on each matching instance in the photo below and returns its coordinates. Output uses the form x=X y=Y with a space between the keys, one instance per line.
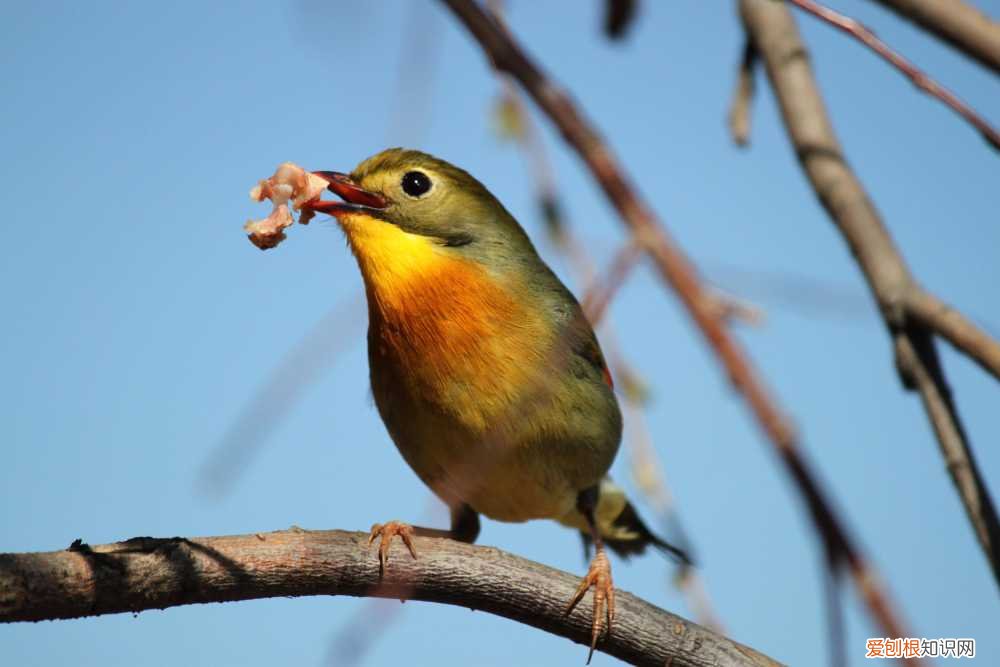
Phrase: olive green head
x=430 y=197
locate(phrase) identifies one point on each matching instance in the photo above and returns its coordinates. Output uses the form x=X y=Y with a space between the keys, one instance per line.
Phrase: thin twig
x=919 y=78
x=153 y=573
x=956 y=22
x=678 y=272
x=772 y=27
x=601 y=292
x=739 y=109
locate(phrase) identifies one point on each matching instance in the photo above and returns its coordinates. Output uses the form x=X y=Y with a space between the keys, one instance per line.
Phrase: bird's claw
x=385 y=532
x=598 y=578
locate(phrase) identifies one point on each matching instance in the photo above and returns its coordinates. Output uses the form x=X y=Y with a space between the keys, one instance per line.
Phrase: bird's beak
x=356 y=198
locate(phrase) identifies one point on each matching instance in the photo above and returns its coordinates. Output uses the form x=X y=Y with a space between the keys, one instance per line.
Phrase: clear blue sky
x=138 y=320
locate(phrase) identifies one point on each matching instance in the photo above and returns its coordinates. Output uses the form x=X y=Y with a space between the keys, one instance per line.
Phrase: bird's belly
x=481 y=399
x=504 y=488
x=504 y=472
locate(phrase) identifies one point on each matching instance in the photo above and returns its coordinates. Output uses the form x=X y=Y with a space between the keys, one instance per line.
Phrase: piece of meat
x=289 y=188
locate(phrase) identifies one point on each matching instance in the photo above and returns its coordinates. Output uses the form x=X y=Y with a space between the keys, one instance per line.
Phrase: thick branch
x=151 y=573
x=773 y=30
x=955 y=328
x=678 y=272
x=956 y=22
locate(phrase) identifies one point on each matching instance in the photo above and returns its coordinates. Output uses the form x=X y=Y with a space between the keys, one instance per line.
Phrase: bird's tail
x=621 y=528
x=635 y=536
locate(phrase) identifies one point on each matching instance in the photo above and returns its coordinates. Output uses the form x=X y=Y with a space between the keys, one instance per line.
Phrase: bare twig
x=773 y=29
x=152 y=573
x=739 y=109
x=601 y=292
x=956 y=22
x=919 y=79
x=677 y=271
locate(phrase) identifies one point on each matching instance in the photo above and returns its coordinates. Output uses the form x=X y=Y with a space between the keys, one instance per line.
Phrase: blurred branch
x=302 y=365
x=412 y=97
x=600 y=292
x=647 y=468
x=911 y=315
x=956 y=22
x=647 y=472
x=919 y=79
x=356 y=638
x=732 y=309
x=619 y=17
x=678 y=272
x=805 y=294
x=152 y=573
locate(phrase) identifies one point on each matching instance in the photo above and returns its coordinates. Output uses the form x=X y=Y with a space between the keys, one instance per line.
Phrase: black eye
x=416 y=183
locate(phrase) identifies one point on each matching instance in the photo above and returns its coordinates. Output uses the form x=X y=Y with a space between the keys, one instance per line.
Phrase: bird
x=483 y=366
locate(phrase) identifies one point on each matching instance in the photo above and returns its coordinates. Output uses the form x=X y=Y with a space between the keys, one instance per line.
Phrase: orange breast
x=458 y=339
x=444 y=328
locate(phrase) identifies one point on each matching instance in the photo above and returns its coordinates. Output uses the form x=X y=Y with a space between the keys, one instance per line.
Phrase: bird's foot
x=598 y=578
x=385 y=532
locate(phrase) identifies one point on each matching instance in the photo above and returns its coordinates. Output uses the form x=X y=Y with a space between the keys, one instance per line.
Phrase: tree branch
x=910 y=319
x=955 y=328
x=918 y=77
x=647 y=469
x=956 y=22
x=678 y=272
x=739 y=110
x=154 y=573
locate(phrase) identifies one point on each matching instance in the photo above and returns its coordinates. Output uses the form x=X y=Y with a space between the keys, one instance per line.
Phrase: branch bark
x=679 y=273
x=955 y=328
x=156 y=573
x=957 y=23
x=911 y=315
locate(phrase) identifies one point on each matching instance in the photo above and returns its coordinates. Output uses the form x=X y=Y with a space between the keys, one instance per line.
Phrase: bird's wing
x=590 y=350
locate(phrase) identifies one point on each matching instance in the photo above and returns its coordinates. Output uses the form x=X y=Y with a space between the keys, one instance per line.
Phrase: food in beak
x=290 y=184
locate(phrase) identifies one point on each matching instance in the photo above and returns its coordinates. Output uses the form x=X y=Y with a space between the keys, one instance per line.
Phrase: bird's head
x=404 y=199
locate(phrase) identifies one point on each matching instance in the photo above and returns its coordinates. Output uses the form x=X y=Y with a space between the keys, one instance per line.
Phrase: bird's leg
x=599 y=575
x=464 y=528
x=464 y=524
x=385 y=532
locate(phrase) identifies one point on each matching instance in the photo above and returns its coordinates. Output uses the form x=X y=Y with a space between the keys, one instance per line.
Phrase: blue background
x=138 y=321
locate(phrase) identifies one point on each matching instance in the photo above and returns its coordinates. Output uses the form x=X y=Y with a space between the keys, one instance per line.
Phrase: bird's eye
x=416 y=183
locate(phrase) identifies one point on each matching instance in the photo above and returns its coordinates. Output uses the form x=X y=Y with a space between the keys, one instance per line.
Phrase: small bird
x=483 y=367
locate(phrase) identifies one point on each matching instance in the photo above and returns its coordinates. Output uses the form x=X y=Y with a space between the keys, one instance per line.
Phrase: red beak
x=355 y=197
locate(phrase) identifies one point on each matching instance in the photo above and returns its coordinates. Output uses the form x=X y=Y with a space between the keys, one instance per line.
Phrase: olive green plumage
x=484 y=368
